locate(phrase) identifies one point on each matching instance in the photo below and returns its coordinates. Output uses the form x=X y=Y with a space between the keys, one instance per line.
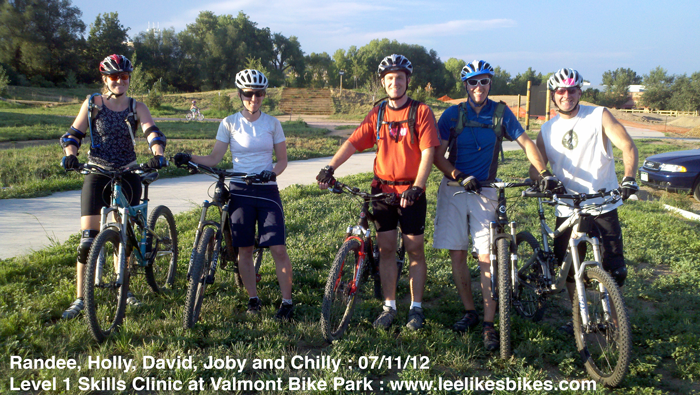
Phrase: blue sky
x=591 y=36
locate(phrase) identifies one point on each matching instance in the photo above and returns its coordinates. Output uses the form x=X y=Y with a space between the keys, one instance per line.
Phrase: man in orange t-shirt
x=404 y=159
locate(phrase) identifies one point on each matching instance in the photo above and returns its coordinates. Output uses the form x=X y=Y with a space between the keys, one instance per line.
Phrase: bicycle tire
x=161 y=270
x=341 y=292
x=105 y=302
x=188 y=116
x=504 y=294
x=200 y=117
x=604 y=346
x=526 y=302
x=197 y=282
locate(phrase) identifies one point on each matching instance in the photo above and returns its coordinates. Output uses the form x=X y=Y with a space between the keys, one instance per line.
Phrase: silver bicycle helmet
x=395 y=62
x=251 y=79
x=565 y=78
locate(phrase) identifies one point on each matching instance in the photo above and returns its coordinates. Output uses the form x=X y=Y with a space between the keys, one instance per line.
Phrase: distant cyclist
x=252 y=137
x=404 y=133
x=194 y=109
x=578 y=143
x=474 y=143
x=113 y=124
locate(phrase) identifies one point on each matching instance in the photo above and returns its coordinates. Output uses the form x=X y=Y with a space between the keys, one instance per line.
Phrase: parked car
x=677 y=171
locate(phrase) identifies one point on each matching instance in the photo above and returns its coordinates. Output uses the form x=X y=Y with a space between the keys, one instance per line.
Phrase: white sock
x=417 y=304
x=390 y=303
x=287 y=301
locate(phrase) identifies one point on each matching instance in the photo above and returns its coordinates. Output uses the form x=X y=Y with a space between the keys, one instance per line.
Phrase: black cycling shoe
x=254 y=306
x=491 y=342
x=285 y=313
x=469 y=321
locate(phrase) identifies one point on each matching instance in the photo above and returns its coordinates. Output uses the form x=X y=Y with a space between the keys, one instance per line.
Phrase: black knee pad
x=85 y=244
x=619 y=275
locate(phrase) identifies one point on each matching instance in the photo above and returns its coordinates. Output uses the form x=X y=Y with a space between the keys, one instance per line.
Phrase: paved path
x=32 y=224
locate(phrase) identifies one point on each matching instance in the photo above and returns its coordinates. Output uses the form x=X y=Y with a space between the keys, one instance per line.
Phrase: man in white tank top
x=578 y=143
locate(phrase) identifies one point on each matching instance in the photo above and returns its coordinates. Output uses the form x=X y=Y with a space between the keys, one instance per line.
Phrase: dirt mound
x=445 y=98
x=686 y=122
x=694 y=132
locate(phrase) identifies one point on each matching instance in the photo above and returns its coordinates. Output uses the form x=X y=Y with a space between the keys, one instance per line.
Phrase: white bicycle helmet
x=565 y=78
x=395 y=62
x=251 y=79
x=476 y=68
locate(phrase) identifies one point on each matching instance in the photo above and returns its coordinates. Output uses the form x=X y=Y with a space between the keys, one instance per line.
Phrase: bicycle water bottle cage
x=585 y=224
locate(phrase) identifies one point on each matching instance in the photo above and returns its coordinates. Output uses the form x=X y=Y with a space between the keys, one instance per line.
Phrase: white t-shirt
x=251 y=143
x=579 y=156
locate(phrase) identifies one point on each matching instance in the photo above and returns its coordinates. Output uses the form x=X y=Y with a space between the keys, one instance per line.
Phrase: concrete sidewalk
x=32 y=224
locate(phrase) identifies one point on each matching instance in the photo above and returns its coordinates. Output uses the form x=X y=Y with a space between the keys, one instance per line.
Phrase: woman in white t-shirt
x=252 y=137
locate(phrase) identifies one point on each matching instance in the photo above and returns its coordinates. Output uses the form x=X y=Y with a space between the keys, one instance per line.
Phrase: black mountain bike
x=213 y=243
x=357 y=259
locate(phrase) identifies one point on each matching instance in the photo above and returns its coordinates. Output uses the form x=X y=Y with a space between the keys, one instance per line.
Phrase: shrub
x=222 y=103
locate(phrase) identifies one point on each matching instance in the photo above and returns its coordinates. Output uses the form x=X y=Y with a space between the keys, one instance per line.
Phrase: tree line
x=43 y=43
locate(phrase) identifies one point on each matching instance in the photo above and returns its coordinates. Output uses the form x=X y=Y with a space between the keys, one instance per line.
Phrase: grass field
x=661 y=294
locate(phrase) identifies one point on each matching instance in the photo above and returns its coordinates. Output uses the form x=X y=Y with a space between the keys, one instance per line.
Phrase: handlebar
x=557 y=198
x=339 y=187
x=221 y=173
x=139 y=168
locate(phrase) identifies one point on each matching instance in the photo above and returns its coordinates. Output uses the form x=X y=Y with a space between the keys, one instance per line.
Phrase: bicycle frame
x=572 y=257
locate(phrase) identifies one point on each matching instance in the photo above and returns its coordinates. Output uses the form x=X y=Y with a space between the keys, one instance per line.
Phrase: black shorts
x=256 y=204
x=608 y=231
x=411 y=218
x=97 y=192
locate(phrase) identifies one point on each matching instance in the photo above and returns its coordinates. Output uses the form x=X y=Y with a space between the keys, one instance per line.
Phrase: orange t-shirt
x=397 y=159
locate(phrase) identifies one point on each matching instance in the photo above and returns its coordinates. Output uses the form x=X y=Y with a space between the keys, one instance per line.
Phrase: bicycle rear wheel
x=197 y=283
x=342 y=291
x=105 y=300
x=605 y=343
x=504 y=294
x=526 y=301
x=161 y=270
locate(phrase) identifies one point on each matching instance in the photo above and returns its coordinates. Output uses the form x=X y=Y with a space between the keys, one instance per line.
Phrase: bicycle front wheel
x=342 y=291
x=160 y=272
x=105 y=299
x=526 y=301
x=504 y=294
x=605 y=343
x=200 y=117
x=197 y=282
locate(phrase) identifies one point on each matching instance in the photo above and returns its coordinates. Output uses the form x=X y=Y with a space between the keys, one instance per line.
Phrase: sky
x=591 y=36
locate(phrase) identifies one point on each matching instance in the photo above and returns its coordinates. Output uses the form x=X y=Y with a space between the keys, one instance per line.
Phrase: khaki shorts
x=464 y=215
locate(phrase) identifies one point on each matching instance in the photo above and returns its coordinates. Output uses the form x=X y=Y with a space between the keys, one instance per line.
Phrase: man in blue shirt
x=474 y=164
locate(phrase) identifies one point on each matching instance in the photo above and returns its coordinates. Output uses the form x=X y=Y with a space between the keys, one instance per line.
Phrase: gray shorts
x=467 y=214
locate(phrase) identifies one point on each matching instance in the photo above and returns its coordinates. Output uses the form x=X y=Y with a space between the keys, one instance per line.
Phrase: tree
x=518 y=85
x=686 y=93
x=158 y=54
x=617 y=84
x=288 y=59
x=500 y=83
x=657 y=89
x=41 y=37
x=4 y=80
x=320 y=70
x=454 y=69
x=107 y=36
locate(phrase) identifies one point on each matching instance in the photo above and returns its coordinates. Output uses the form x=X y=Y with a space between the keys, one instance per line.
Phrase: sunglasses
x=253 y=93
x=482 y=82
x=561 y=91
x=121 y=76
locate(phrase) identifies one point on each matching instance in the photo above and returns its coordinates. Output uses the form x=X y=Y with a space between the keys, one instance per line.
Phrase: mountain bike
x=502 y=242
x=601 y=324
x=127 y=240
x=192 y=116
x=357 y=259
x=213 y=243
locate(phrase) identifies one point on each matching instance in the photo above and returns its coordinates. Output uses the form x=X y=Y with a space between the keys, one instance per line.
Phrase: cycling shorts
x=411 y=218
x=97 y=192
x=256 y=205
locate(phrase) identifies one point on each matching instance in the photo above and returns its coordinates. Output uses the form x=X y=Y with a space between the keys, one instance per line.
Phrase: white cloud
x=451 y=28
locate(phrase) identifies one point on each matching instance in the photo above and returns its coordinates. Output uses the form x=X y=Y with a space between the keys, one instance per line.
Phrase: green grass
x=36 y=171
x=661 y=293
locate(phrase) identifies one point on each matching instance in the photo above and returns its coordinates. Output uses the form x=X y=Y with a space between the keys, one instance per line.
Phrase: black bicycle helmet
x=114 y=64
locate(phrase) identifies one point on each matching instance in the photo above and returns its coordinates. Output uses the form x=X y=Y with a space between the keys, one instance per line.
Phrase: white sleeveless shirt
x=579 y=157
